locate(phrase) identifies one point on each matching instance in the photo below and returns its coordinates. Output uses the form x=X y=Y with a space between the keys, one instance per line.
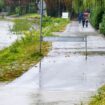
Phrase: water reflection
x=56 y=83
x=71 y=73
x=38 y=100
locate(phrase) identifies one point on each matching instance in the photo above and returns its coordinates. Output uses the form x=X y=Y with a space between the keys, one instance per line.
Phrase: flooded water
x=63 y=77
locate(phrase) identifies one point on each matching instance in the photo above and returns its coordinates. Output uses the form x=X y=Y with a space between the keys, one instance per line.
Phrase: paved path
x=66 y=77
x=6 y=37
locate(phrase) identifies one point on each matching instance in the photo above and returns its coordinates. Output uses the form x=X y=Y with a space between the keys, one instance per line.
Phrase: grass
x=99 y=98
x=20 y=56
x=31 y=15
x=25 y=16
x=24 y=53
x=57 y=26
x=14 y=17
x=21 y=25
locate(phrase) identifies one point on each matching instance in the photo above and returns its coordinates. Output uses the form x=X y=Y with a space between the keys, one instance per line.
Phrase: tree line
x=56 y=7
x=18 y=6
x=96 y=8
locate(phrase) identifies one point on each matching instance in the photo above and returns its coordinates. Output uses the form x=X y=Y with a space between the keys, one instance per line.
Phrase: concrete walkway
x=66 y=77
x=6 y=37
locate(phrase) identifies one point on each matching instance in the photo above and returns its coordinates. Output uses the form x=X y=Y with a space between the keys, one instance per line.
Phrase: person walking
x=83 y=21
x=87 y=21
x=86 y=17
x=80 y=17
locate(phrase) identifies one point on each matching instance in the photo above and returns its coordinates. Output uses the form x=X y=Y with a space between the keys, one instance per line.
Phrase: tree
x=24 y=6
x=1 y=4
x=55 y=7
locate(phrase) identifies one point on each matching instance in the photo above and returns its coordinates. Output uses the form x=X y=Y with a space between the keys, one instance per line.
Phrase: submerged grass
x=24 y=53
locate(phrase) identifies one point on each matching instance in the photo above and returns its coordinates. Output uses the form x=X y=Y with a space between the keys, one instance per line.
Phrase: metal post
x=42 y=8
x=41 y=16
x=59 y=9
x=40 y=76
x=86 y=47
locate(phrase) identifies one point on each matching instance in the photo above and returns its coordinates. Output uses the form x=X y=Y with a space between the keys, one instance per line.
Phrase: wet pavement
x=6 y=37
x=66 y=77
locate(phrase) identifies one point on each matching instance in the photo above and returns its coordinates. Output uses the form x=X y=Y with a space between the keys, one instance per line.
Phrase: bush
x=102 y=25
x=96 y=17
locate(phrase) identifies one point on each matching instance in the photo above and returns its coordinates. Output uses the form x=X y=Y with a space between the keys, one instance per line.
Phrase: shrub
x=96 y=17
x=102 y=25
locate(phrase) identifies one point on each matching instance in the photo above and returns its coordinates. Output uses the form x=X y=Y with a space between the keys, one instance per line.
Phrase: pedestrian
x=80 y=17
x=83 y=21
x=87 y=21
x=86 y=16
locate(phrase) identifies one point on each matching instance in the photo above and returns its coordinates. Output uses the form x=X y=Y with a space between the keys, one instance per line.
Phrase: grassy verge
x=16 y=59
x=53 y=25
x=99 y=98
x=24 y=53
x=30 y=15
x=49 y=25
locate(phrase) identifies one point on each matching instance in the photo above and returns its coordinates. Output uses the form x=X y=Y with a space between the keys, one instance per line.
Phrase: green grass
x=31 y=15
x=24 y=53
x=99 y=98
x=16 y=59
x=53 y=25
x=49 y=25
x=22 y=25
